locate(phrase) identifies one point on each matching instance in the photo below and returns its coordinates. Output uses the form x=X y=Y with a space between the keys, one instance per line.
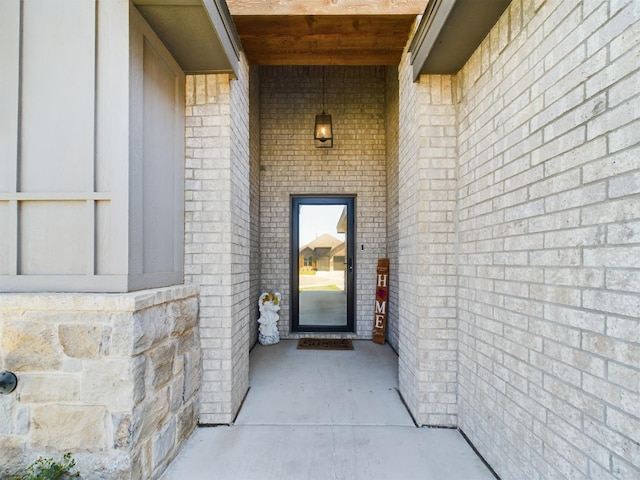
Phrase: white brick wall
x=408 y=247
x=392 y=125
x=427 y=270
x=241 y=236
x=254 y=202
x=438 y=325
x=218 y=235
x=290 y=164
x=549 y=231
x=207 y=233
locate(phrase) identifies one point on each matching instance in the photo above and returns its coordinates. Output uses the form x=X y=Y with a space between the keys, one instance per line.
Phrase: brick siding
x=427 y=269
x=218 y=235
x=392 y=119
x=548 y=240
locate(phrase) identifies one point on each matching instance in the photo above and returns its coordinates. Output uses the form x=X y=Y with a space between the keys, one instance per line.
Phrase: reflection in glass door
x=322 y=264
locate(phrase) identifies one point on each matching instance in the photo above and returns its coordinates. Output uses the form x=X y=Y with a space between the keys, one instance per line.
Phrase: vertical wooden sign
x=380 y=312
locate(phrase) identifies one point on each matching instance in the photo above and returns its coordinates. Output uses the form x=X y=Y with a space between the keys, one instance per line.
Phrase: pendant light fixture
x=323 y=132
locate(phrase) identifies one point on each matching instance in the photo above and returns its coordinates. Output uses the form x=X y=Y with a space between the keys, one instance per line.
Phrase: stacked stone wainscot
x=111 y=378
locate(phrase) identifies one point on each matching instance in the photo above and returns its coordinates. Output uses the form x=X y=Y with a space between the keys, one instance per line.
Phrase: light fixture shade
x=323 y=133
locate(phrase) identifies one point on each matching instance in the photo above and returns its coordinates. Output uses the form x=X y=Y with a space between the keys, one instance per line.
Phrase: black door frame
x=350 y=202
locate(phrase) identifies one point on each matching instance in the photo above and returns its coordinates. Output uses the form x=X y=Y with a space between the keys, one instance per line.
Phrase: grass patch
x=323 y=288
x=307 y=272
x=50 y=469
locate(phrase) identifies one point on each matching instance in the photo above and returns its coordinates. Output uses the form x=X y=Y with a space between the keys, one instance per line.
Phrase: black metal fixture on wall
x=8 y=382
x=323 y=131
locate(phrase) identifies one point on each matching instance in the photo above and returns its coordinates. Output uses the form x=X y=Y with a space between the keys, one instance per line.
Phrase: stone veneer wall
x=549 y=215
x=111 y=378
x=290 y=97
x=218 y=234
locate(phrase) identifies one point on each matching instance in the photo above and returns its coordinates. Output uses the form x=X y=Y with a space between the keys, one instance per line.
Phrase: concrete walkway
x=323 y=308
x=316 y=415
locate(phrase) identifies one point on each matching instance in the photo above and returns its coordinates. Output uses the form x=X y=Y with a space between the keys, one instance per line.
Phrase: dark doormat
x=325 y=344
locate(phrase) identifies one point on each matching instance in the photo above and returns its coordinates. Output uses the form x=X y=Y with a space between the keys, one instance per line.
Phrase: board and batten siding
x=92 y=150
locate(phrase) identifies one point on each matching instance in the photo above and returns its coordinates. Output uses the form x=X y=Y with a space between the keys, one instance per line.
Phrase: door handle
x=351 y=264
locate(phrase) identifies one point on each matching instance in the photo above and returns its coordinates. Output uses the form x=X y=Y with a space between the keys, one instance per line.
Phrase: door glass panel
x=322 y=282
x=322 y=269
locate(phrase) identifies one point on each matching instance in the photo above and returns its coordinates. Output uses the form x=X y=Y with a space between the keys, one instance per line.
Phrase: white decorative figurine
x=269 y=304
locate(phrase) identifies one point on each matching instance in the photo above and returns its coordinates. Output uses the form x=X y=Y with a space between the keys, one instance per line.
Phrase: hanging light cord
x=323 y=89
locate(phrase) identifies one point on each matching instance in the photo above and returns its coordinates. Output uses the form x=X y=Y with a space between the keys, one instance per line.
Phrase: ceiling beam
x=346 y=26
x=324 y=40
x=348 y=58
x=326 y=7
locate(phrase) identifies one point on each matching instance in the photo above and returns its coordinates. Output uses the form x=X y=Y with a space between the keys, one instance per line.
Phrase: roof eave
x=450 y=31
x=200 y=34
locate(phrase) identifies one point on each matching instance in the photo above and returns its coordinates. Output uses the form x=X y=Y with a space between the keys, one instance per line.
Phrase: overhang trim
x=200 y=34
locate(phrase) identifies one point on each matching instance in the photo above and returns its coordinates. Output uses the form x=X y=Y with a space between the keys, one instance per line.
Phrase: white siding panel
x=156 y=156
x=159 y=85
x=105 y=262
x=48 y=227
x=9 y=71
x=58 y=96
x=6 y=241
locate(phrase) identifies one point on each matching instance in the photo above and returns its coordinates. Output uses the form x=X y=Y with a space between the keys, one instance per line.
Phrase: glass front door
x=322 y=264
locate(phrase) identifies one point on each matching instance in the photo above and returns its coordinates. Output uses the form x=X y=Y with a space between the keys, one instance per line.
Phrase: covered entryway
x=243 y=168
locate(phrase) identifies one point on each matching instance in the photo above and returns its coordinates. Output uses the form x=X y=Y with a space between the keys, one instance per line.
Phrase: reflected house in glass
x=325 y=253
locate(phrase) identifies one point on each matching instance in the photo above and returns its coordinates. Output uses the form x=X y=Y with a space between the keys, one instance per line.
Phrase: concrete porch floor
x=314 y=414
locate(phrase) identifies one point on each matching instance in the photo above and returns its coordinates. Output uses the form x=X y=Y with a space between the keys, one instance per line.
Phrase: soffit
x=200 y=34
x=205 y=36
x=450 y=31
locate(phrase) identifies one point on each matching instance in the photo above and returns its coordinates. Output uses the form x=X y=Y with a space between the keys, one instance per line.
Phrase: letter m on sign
x=380 y=311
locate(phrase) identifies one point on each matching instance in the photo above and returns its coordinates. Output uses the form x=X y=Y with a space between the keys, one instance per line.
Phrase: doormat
x=325 y=344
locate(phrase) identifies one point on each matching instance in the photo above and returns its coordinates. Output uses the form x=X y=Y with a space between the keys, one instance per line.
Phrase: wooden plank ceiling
x=324 y=32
